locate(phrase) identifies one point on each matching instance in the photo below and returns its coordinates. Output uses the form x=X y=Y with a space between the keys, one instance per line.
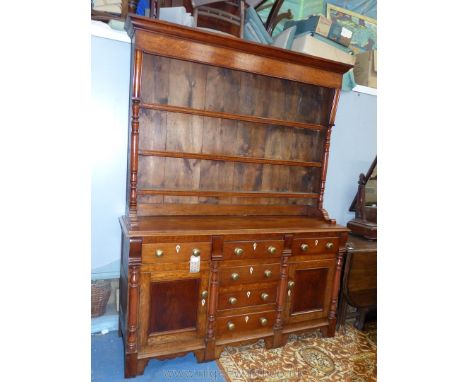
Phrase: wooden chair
x=127 y=7
x=359 y=283
x=221 y=16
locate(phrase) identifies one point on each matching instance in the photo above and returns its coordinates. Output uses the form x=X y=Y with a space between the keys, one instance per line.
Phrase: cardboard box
x=365 y=70
x=318 y=46
x=325 y=27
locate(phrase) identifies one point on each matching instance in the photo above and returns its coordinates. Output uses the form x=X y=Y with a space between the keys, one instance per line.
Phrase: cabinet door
x=309 y=290
x=172 y=309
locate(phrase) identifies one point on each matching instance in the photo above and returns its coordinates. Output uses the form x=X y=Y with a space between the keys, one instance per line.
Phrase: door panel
x=173 y=305
x=310 y=295
x=172 y=309
x=312 y=284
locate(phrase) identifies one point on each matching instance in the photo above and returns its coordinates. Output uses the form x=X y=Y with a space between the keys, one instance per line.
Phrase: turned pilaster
x=336 y=285
x=131 y=343
x=134 y=137
x=216 y=256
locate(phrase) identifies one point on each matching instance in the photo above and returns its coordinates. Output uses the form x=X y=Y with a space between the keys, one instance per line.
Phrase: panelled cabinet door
x=309 y=290
x=172 y=309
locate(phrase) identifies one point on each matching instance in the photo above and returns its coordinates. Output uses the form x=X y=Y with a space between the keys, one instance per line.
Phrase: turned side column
x=281 y=296
x=216 y=256
x=336 y=286
x=131 y=335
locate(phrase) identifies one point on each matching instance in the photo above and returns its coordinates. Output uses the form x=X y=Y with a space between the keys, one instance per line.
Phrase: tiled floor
x=107 y=364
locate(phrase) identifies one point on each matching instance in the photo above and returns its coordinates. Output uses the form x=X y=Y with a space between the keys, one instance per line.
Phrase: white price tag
x=194 y=264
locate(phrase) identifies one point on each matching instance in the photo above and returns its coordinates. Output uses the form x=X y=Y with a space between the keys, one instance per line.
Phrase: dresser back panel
x=217 y=136
x=180 y=83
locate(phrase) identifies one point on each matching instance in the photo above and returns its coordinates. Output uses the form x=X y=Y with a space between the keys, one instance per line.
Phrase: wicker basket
x=100 y=293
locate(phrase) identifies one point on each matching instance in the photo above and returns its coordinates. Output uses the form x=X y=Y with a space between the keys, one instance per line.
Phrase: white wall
x=110 y=79
x=353 y=147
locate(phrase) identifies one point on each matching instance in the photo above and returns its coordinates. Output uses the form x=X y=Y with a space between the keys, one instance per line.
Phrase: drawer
x=318 y=245
x=160 y=253
x=249 y=274
x=239 y=250
x=231 y=325
x=247 y=297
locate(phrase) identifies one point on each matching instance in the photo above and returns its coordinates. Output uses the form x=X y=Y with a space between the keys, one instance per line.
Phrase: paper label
x=194 y=264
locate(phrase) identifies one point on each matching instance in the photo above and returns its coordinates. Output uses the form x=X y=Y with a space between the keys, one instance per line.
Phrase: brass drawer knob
x=291 y=284
x=196 y=252
x=264 y=296
x=204 y=294
x=231 y=326
x=232 y=300
x=329 y=245
x=238 y=251
x=267 y=273
x=271 y=250
x=235 y=276
x=263 y=321
x=304 y=247
x=159 y=252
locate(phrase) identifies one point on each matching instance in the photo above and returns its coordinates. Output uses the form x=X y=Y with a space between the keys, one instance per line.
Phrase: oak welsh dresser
x=225 y=239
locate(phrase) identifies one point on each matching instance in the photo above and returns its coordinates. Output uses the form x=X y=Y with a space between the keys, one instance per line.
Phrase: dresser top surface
x=222 y=225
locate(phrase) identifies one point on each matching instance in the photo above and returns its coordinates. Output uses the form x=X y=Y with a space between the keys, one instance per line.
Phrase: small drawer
x=318 y=245
x=232 y=325
x=249 y=274
x=160 y=253
x=247 y=297
x=239 y=250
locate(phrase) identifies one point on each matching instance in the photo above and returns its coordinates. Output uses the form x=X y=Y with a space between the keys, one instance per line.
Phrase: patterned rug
x=349 y=356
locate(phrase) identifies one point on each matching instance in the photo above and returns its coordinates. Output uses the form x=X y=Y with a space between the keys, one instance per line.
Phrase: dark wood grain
x=174 y=305
x=310 y=298
x=228 y=158
x=226 y=194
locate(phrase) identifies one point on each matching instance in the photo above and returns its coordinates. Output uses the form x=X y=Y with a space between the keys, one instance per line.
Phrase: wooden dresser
x=225 y=239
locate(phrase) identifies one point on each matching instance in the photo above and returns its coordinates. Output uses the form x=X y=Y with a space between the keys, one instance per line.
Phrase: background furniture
x=225 y=239
x=365 y=205
x=226 y=16
x=359 y=286
x=127 y=7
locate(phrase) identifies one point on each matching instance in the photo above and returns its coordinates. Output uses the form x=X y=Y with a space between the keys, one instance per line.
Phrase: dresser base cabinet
x=251 y=281
x=225 y=239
